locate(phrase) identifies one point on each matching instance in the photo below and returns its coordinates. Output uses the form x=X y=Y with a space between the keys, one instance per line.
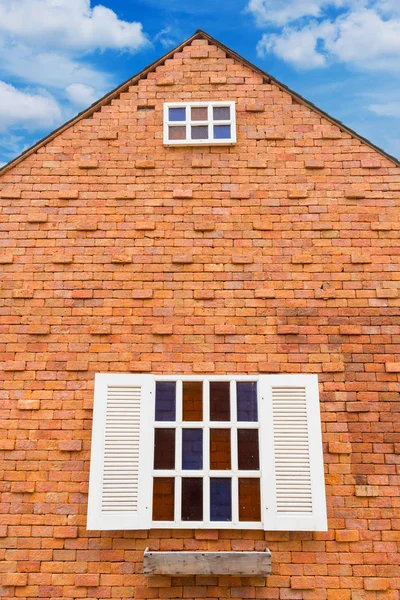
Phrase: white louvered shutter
x=121 y=455
x=293 y=487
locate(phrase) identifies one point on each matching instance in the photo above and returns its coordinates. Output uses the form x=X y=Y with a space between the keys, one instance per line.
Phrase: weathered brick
x=70 y=445
x=14 y=579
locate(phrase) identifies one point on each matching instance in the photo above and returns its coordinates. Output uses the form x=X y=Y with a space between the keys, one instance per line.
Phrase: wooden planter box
x=207 y=563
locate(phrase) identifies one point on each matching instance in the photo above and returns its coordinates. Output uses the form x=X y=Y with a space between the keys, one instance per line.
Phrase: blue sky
x=59 y=56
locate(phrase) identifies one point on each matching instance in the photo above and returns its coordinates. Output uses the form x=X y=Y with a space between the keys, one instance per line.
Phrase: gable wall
x=279 y=254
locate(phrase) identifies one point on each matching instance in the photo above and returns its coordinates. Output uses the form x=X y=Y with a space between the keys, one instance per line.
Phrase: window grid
x=206 y=473
x=211 y=122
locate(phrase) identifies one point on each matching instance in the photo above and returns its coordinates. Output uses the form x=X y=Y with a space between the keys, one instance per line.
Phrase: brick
x=22 y=487
x=241 y=259
x=139 y=367
x=125 y=195
x=392 y=367
x=145 y=164
x=87 y=225
x=255 y=107
x=142 y=294
x=265 y=293
x=70 y=445
x=77 y=365
x=302 y=259
x=269 y=367
x=360 y=259
x=3 y=531
x=263 y=225
x=204 y=294
x=331 y=134
x=82 y=294
x=381 y=226
x=182 y=258
x=287 y=330
x=62 y=259
x=87 y=580
x=338 y=594
x=314 y=164
x=371 y=164
x=162 y=329
x=347 y=535
x=145 y=225
x=350 y=330
x=322 y=226
x=241 y=194
x=28 y=404
x=201 y=163
x=6 y=444
x=88 y=164
x=376 y=583
x=218 y=80
x=68 y=194
x=14 y=365
x=100 y=329
x=66 y=532
x=203 y=367
x=204 y=226
x=366 y=491
x=165 y=81
x=355 y=194
x=121 y=259
x=23 y=293
x=107 y=134
x=37 y=218
x=333 y=367
x=387 y=293
x=11 y=194
x=339 y=448
x=14 y=579
x=182 y=193
x=38 y=330
x=298 y=194
x=225 y=330
x=302 y=583
x=272 y=135
x=6 y=259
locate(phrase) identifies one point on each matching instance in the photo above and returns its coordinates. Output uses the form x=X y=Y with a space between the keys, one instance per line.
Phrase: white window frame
x=210 y=122
x=275 y=514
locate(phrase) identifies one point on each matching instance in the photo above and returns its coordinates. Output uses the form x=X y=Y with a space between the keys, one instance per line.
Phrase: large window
x=230 y=451
x=199 y=123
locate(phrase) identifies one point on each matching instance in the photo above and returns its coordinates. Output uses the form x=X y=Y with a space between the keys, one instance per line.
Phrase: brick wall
x=279 y=254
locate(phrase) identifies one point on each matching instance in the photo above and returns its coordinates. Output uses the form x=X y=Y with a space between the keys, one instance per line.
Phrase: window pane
x=249 y=500
x=248 y=454
x=246 y=392
x=220 y=409
x=192 y=499
x=221 y=113
x=177 y=114
x=165 y=400
x=192 y=400
x=199 y=132
x=220 y=449
x=199 y=113
x=220 y=499
x=164 y=448
x=163 y=498
x=176 y=133
x=192 y=448
x=222 y=132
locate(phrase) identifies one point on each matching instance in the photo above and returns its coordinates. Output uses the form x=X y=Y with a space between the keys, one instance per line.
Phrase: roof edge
x=198 y=34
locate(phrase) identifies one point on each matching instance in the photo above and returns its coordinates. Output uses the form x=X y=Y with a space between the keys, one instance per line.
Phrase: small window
x=199 y=123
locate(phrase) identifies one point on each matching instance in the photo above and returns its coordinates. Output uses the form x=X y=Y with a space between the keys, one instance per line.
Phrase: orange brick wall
x=279 y=254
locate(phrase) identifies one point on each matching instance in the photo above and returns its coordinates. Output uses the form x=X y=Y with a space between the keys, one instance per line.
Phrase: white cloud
x=361 y=37
x=68 y=24
x=281 y=12
x=388 y=109
x=81 y=95
x=26 y=109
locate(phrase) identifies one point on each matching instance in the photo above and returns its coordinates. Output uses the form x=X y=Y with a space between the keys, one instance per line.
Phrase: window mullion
x=206 y=451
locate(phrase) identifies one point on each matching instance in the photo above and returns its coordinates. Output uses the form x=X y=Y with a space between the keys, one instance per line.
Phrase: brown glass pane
x=164 y=448
x=248 y=454
x=192 y=499
x=220 y=409
x=199 y=113
x=220 y=449
x=249 y=500
x=177 y=132
x=192 y=400
x=163 y=498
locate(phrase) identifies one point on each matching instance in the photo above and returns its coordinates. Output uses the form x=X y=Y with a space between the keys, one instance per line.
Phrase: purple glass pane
x=192 y=449
x=248 y=453
x=246 y=393
x=220 y=408
x=221 y=113
x=199 y=132
x=220 y=499
x=165 y=400
x=222 y=132
x=192 y=499
x=164 y=448
x=177 y=114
